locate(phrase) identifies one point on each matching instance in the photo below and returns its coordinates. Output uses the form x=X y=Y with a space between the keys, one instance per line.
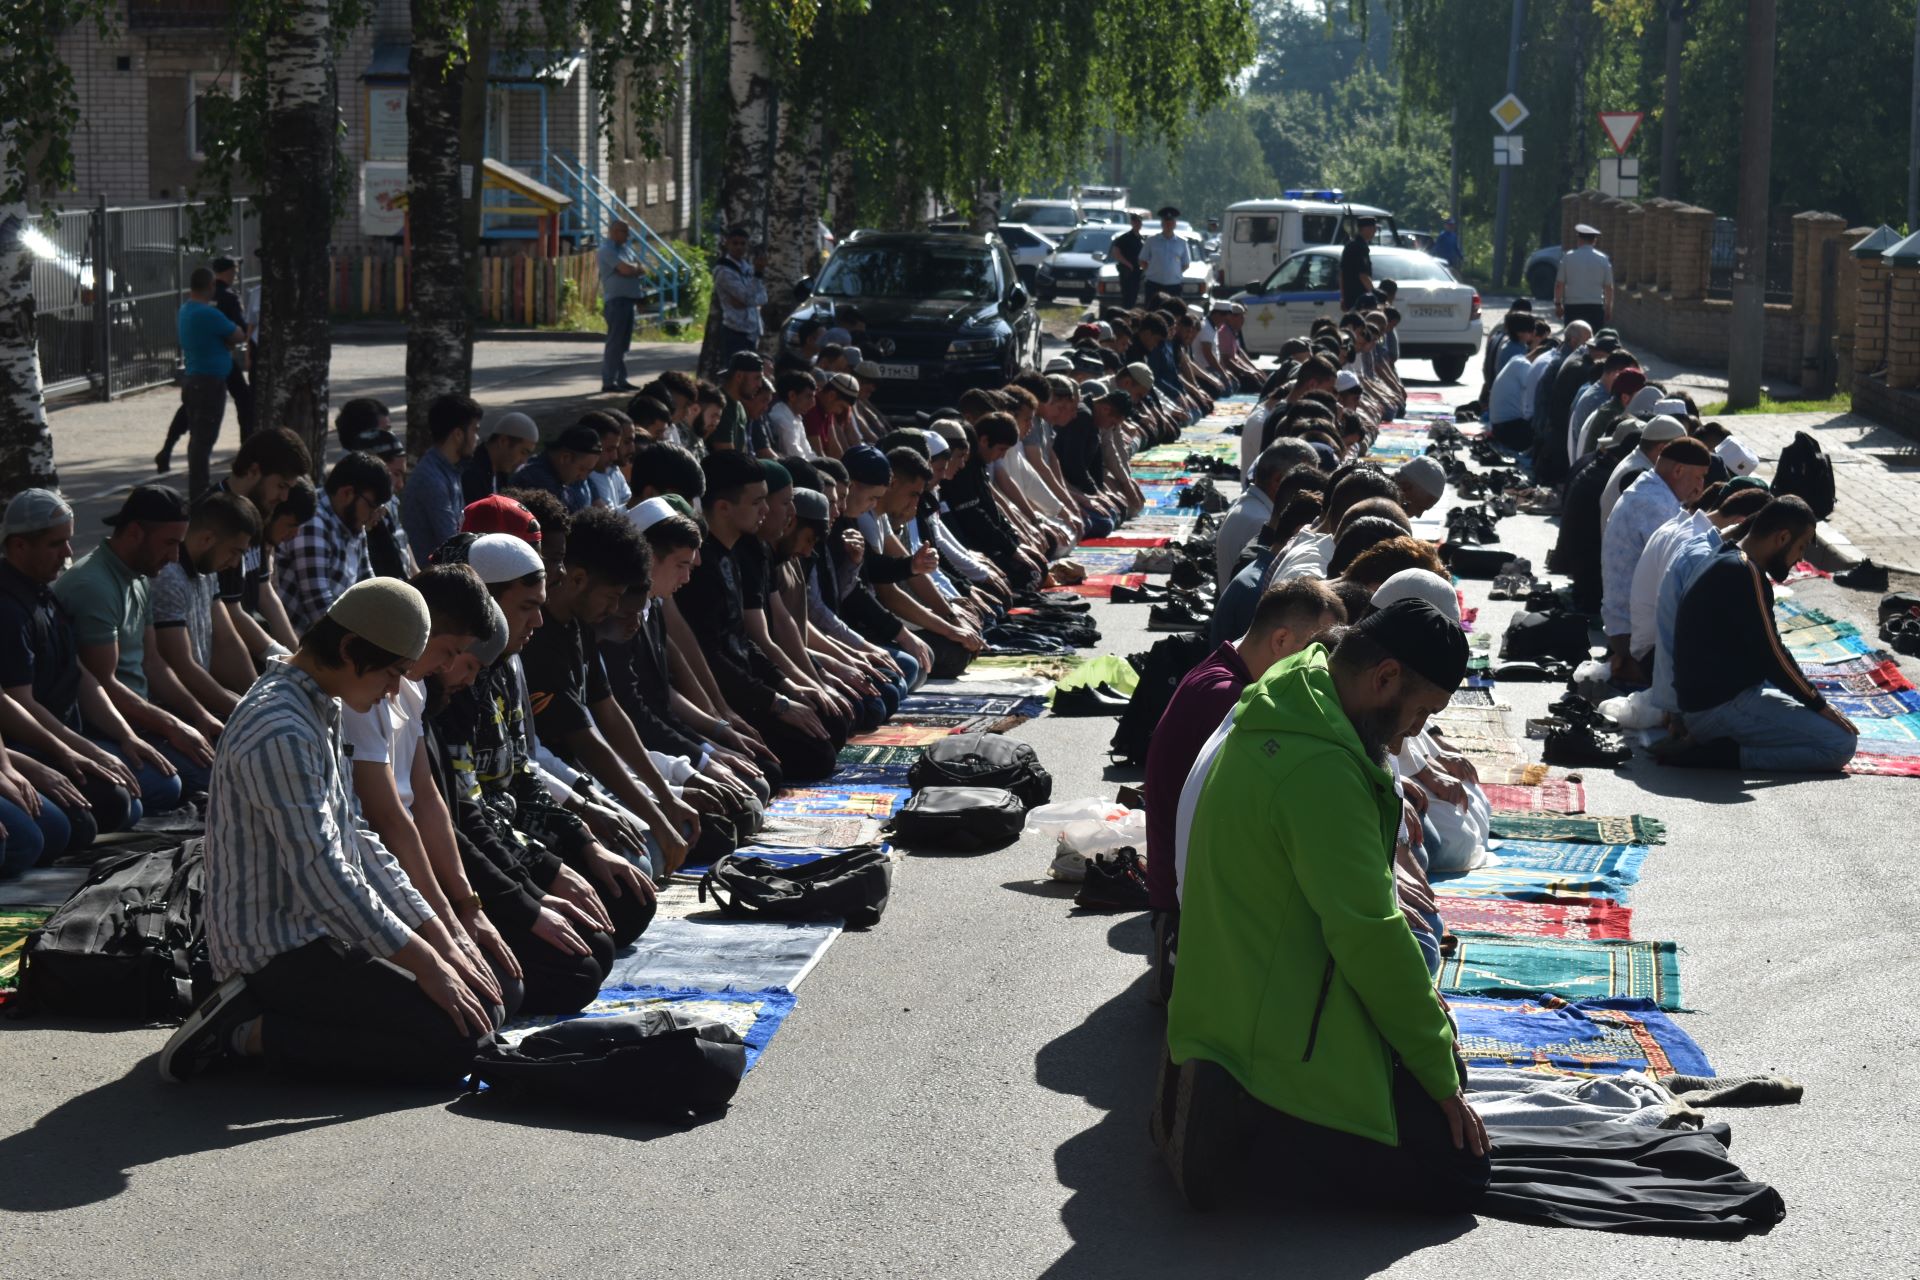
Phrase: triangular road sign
x=1620 y=127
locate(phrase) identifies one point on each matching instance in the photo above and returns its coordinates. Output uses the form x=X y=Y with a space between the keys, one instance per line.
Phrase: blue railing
x=596 y=205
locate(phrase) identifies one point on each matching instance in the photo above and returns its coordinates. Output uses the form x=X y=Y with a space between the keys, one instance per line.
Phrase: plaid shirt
x=289 y=858
x=317 y=564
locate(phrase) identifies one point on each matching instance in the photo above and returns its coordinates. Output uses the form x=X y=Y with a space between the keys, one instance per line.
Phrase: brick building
x=138 y=89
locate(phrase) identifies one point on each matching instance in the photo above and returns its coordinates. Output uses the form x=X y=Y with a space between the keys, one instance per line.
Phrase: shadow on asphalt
x=85 y=1150
x=1722 y=786
x=1123 y=1212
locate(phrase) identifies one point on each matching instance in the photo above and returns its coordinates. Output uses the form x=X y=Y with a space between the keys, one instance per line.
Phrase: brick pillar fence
x=1903 y=329
x=1870 y=317
x=1690 y=252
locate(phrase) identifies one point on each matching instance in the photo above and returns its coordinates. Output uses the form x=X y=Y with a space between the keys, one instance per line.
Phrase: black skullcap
x=1423 y=639
x=867 y=465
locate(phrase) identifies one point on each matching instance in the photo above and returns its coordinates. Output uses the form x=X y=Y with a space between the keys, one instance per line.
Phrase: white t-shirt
x=789 y=433
x=1306 y=556
x=389 y=733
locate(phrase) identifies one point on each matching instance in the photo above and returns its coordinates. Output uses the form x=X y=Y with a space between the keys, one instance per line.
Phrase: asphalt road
x=963 y=1092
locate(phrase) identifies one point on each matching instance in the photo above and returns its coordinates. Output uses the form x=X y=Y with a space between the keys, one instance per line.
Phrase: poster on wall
x=386 y=123
x=383 y=198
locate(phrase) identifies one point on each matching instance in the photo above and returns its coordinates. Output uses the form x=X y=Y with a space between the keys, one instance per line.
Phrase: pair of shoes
x=1471 y=524
x=1088 y=700
x=1581 y=745
x=1865 y=576
x=1174 y=616
x=205 y=1039
x=1144 y=594
x=1578 y=709
x=1116 y=881
x=1538 y=671
x=1189 y=574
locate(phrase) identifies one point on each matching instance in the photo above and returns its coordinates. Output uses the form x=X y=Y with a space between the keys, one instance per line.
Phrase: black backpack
x=960 y=820
x=983 y=760
x=653 y=1064
x=1165 y=666
x=1547 y=635
x=852 y=886
x=130 y=943
x=1806 y=472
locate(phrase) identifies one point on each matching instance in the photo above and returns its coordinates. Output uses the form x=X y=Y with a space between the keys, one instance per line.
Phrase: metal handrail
x=593 y=197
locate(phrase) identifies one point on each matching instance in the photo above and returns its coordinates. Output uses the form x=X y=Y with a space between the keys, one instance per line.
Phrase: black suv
x=943 y=312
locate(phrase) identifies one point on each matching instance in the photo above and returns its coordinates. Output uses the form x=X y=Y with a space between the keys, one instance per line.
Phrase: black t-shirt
x=711 y=603
x=1356 y=260
x=1127 y=247
x=1724 y=641
x=756 y=572
x=564 y=678
x=38 y=647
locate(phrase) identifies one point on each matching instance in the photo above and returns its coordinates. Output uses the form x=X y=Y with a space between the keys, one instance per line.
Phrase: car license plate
x=1432 y=311
x=897 y=370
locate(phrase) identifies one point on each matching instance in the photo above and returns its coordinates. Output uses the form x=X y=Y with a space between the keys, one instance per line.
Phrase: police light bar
x=1327 y=194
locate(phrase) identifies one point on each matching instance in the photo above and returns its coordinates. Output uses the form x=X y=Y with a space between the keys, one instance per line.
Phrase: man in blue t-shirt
x=210 y=345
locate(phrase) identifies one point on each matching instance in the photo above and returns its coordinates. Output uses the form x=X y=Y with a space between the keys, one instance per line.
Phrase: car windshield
x=956 y=272
x=1089 y=240
x=1410 y=266
x=1044 y=215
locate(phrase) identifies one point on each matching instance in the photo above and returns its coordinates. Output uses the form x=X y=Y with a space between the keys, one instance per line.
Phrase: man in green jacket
x=1304 y=1022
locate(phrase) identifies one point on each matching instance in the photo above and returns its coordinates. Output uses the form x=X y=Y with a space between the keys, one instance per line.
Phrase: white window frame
x=199 y=84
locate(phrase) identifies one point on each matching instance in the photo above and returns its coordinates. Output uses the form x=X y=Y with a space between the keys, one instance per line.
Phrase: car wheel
x=1449 y=368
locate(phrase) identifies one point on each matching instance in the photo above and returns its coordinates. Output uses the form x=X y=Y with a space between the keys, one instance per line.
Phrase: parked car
x=1258 y=235
x=1440 y=317
x=1048 y=215
x=1194 y=281
x=944 y=312
x=1028 y=247
x=1075 y=263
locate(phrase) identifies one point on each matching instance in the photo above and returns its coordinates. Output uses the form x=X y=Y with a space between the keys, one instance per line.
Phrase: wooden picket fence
x=516 y=289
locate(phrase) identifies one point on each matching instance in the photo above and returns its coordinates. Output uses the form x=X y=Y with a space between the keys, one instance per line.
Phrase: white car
x=1195 y=281
x=1439 y=316
x=1050 y=217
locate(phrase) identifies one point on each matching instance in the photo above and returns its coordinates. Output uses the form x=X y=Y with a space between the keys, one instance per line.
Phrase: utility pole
x=1748 y=331
x=1913 y=134
x=1670 y=102
x=1506 y=171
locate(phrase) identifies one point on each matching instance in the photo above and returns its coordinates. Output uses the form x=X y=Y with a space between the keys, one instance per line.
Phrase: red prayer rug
x=1556 y=795
x=1125 y=540
x=1099 y=586
x=1592 y=919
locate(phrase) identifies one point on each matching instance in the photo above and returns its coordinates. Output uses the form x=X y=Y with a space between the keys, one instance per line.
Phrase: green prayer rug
x=15 y=924
x=1580 y=828
x=1494 y=964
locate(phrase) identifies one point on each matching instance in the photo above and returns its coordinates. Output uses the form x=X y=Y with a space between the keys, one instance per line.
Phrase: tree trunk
x=844 y=201
x=439 y=319
x=793 y=209
x=1670 y=101
x=296 y=224
x=26 y=445
x=743 y=179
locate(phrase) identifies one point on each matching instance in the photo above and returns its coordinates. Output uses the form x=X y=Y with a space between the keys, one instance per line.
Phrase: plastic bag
x=1635 y=711
x=1082 y=828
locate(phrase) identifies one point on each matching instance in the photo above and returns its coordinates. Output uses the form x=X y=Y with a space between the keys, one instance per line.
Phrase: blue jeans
x=613 y=358
x=1774 y=732
x=159 y=792
x=30 y=839
x=910 y=672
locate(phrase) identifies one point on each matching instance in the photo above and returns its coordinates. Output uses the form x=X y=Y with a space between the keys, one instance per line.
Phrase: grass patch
x=1832 y=404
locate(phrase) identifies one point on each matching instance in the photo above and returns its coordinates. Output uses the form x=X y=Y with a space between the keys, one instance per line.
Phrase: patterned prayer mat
x=838 y=802
x=15 y=924
x=1099 y=586
x=903 y=735
x=1491 y=964
x=1526 y=773
x=1892 y=734
x=852 y=755
x=1474 y=720
x=1581 y=918
x=1123 y=540
x=1585 y=828
x=974 y=704
x=1885 y=766
x=1892 y=702
x=1106 y=560
x=787 y=831
x=1837 y=650
x=1471 y=698
x=1604 y=1036
x=756 y=1015
x=1556 y=795
x=717 y=953
x=1538 y=872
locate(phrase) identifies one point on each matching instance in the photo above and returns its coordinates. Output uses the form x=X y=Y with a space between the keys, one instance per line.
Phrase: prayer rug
x=1603 y=1036
x=1585 y=828
x=1478 y=746
x=875 y=756
x=15 y=925
x=1893 y=702
x=903 y=735
x=786 y=831
x=838 y=802
x=1885 y=766
x=1123 y=540
x=1102 y=561
x=1102 y=668
x=1878 y=665
x=1806 y=636
x=1474 y=720
x=973 y=704
x=1556 y=795
x=1839 y=650
x=1047 y=666
x=1541 y=872
x=1471 y=698
x=1891 y=734
x=1802 y=571
x=755 y=1015
x=714 y=953
x=1521 y=773
x=1619 y=860
x=1490 y=964
x=1580 y=918
x=1793 y=618
x=1099 y=586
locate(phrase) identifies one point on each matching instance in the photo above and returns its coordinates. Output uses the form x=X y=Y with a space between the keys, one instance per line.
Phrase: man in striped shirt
x=313 y=928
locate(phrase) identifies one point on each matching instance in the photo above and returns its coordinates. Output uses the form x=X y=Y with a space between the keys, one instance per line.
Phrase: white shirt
x=1624 y=473
x=1536 y=374
x=1190 y=802
x=789 y=433
x=1662 y=547
x=1305 y=557
x=389 y=733
x=1243 y=523
x=1250 y=433
x=1647 y=504
x=1201 y=341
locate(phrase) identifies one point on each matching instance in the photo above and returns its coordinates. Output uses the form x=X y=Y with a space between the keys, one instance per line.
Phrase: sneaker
x=1115 y=882
x=206 y=1037
x=1865 y=576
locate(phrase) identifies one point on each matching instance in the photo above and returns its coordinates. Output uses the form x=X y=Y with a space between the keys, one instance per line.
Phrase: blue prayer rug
x=1604 y=1036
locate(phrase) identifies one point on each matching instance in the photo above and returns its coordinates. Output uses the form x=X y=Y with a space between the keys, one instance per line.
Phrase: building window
x=199 y=85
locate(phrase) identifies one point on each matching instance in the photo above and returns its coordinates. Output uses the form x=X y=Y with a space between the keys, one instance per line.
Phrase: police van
x=1258 y=235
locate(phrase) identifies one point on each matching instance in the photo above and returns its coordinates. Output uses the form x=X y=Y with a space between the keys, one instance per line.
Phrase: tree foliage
x=38 y=102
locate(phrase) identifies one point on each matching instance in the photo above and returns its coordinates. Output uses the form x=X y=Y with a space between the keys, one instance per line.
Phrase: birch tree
x=26 y=445
x=440 y=314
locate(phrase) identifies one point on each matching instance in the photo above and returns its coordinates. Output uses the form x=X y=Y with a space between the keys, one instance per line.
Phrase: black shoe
x=1543 y=671
x=1206 y=1133
x=1582 y=745
x=1087 y=700
x=1138 y=595
x=624 y=385
x=1865 y=576
x=608 y=388
x=206 y=1037
x=1177 y=617
x=1187 y=573
x=1166 y=940
x=1115 y=881
x=1577 y=709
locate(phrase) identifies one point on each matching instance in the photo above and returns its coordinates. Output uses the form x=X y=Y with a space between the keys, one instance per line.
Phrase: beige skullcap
x=386 y=612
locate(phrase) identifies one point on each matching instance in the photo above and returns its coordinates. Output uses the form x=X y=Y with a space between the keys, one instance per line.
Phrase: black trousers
x=629 y=914
x=1594 y=313
x=1424 y=1173
x=338 y=1013
x=803 y=759
x=1130 y=286
x=1155 y=292
x=554 y=981
x=240 y=391
x=203 y=403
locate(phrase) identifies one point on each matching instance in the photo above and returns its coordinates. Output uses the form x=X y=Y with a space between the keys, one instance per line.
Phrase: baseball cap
x=1344 y=381
x=498 y=513
x=1607 y=340
x=33 y=510
x=389 y=613
x=501 y=557
x=576 y=439
x=515 y=426
x=810 y=504
x=152 y=503
x=746 y=362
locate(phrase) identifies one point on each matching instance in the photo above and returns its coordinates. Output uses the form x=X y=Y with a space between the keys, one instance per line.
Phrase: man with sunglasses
x=329 y=552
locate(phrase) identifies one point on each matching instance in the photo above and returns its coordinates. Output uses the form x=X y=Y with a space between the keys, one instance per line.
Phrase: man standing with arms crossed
x=741 y=291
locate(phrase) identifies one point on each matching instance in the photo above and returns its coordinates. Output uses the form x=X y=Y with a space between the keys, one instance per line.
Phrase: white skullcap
x=1420 y=584
x=649 y=513
x=1740 y=460
x=501 y=557
x=936 y=443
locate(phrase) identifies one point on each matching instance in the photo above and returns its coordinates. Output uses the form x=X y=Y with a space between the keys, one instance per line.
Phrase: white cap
x=1672 y=407
x=501 y=557
x=936 y=443
x=515 y=426
x=1344 y=381
x=1425 y=475
x=1663 y=429
x=1584 y=230
x=1740 y=460
x=1420 y=584
x=649 y=513
x=1643 y=402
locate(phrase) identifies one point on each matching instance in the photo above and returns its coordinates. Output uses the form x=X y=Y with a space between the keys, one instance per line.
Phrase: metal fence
x=138 y=259
x=1779 y=260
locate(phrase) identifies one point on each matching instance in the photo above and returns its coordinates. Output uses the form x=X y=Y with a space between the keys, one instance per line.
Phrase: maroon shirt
x=1199 y=705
